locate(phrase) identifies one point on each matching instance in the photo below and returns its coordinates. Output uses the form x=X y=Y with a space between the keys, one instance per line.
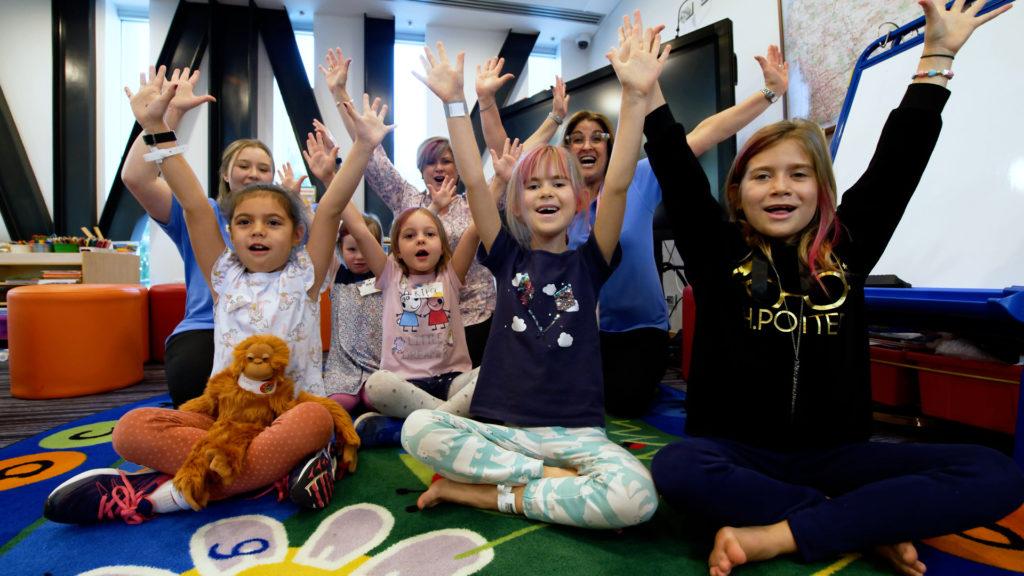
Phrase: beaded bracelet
x=945 y=72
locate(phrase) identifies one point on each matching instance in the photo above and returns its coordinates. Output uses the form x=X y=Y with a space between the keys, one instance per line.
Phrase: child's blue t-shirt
x=198 y=300
x=633 y=297
x=542 y=366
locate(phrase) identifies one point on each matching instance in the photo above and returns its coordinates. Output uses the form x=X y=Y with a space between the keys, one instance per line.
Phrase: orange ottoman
x=166 y=311
x=325 y=320
x=73 y=340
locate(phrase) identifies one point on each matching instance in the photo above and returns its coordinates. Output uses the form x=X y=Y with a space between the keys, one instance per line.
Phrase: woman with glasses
x=633 y=316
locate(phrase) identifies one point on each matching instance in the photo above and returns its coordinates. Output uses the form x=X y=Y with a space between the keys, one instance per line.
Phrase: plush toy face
x=261 y=357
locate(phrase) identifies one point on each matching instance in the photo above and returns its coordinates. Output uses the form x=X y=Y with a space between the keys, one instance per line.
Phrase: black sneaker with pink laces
x=104 y=494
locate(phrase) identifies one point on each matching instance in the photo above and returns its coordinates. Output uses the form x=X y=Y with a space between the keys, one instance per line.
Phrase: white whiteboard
x=964 y=227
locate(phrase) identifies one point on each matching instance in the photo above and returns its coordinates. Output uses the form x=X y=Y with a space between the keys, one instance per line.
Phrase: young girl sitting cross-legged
x=776 y=457
x=424 y=359
x=269 y=283
x=538 y=443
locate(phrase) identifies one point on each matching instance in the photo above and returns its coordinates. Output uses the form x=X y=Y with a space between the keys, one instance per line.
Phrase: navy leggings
x=841 y=499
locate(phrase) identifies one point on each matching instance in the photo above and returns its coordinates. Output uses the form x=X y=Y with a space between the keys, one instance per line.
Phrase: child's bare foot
x=433 y=495
x=903 y=557
x=736 y=546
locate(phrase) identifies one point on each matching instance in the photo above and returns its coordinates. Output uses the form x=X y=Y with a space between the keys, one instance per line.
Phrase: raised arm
x=370 y=130
x=446 y=82
x=489 y=80
x=149 y=106
x=376 y=259
x=143 y=178
x=335 y=71
x=717 y=128
x=637 y=66
x=321 y=153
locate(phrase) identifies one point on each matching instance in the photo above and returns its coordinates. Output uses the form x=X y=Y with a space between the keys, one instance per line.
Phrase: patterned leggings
x=613 y=489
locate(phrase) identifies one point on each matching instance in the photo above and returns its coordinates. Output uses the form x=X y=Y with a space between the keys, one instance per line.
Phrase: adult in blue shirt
x=634 y=319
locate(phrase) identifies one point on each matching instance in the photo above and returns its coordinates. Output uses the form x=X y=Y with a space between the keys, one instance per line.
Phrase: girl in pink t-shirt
x=424 y=360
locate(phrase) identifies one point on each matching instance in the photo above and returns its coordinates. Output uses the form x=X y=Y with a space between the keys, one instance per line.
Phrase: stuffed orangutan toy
x=244 y=399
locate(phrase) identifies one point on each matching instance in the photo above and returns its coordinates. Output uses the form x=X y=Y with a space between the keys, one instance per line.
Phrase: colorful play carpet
x=368 y=528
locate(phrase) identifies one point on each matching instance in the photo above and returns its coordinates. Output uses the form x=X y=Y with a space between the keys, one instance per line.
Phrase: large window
x=410 y=109
x=541 y=69
x=126 y=55
x=285 y=148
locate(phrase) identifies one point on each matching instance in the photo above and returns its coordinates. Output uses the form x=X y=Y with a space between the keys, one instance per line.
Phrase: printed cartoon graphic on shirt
x=423 y=303
x=815 y=312
x=564 y=302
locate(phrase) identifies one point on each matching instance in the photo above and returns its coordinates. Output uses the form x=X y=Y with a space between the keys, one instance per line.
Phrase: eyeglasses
x=595 y=138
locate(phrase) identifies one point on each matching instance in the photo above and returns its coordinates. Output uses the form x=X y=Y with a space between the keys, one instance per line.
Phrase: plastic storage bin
x=974 y=392
x=892 y=385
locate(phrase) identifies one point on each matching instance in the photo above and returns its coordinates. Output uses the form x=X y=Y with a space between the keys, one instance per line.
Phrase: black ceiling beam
x=74 y=115
x=183 y=47
x=379 y=82
x=21 y=201
x=285 y=60
x=516 y=52
x=234 y=62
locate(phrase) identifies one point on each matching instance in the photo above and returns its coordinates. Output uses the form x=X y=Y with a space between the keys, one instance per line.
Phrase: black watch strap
x=160 y=138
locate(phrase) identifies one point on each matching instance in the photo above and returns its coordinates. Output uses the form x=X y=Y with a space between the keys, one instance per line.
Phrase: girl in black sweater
x=779 y=407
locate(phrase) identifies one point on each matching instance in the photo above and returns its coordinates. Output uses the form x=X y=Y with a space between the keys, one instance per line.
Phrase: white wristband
x=506 y=499
x=455 y=109
x=159 y=154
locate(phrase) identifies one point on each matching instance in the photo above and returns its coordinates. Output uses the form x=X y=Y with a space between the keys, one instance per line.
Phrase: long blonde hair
x=818 y=239
x=227 y=160
x=561 y=162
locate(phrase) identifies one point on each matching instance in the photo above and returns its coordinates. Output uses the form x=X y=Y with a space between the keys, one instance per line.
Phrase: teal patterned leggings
x=613 y=489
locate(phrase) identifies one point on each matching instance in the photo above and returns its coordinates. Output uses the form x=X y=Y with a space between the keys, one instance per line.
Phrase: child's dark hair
x=396 y=232
x=816 y=241
x=289 y=201
x=371 y=222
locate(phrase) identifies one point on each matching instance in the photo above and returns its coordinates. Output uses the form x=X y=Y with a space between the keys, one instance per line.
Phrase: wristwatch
x=453 y=109
x=769 y=95
x=159 y=138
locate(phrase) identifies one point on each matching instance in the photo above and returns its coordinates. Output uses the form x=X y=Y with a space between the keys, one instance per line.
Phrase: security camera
x=583 y=41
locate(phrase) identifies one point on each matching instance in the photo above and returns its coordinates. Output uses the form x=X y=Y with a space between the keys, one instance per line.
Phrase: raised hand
x=560 y=100
x=775 y=70
x=441 y=77
x=505 y=162
x=635 y=60
x=946 y=31
x=185 y=97
x=441 y=196
x=320 y=153
x=336 y=72
x=150 y=103
x=489 y=80
x=287 y=177
x=369 y=124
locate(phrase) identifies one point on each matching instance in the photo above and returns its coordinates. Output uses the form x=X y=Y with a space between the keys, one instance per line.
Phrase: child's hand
x=441 y=77
x=489 y=79
x=287 y=177
x=635 y=60
x=320 y=154
x=946 y=31
x=184 y=98
x=336 y=71
x=775 y=70
x=441 y=196
x=369 y=125
x=505 y=163
x=150 y=103
x=560 y=100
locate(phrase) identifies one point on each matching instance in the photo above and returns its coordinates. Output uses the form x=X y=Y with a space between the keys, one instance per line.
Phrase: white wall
x=754 y=27
x=26 y=66
x=345 y=33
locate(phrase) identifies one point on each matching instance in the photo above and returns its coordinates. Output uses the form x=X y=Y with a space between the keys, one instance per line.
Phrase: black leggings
x=188 y=361
x=633 y=363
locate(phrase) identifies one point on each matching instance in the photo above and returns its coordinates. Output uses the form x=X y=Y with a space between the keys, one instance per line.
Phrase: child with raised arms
x=269 y=283
x=538 y=440
x=777 y=457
